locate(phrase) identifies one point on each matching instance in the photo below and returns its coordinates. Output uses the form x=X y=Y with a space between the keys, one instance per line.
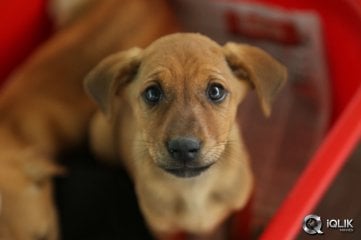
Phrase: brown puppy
x=169 y=113
x=44 y=109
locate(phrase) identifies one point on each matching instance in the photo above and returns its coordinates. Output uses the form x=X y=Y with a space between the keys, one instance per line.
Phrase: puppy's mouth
x=186 y=171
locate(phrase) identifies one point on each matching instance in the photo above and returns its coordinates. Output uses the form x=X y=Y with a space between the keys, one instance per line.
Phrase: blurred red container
x=24 y=26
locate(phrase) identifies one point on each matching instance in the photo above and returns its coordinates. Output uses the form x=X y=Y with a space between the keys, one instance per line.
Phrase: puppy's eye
x=216 y=92
x=153 y=94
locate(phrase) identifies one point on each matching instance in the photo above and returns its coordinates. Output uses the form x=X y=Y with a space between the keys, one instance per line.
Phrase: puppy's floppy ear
x=265 y=73
x=106 y=78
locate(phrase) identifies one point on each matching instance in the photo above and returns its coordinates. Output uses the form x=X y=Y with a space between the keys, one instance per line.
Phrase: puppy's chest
x=196 y=201
x=191 y=199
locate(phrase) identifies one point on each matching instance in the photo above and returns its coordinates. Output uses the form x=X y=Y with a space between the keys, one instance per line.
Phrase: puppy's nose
x=184 y=149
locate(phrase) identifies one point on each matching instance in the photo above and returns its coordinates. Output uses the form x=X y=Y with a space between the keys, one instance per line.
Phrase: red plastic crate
x=24 y=26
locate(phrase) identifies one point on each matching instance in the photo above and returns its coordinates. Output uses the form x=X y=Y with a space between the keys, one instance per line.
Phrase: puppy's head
x=183 y=91
x=27 y=211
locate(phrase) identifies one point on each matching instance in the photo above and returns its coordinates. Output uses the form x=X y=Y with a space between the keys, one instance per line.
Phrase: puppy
x=169 y=113
x=44 y=109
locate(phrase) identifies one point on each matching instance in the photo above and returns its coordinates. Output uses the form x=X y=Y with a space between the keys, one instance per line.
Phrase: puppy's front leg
x=101 y=138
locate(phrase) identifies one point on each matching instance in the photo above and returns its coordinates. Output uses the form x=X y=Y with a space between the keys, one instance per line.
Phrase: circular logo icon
x=312 y=224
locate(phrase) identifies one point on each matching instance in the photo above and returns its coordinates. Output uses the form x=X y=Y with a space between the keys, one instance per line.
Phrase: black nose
x=183 y=149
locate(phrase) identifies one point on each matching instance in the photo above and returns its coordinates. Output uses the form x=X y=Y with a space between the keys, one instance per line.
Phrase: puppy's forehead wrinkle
x=160 y=71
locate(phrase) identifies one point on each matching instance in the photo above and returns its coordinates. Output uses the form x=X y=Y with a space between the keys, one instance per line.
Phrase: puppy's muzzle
x=185 y=153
